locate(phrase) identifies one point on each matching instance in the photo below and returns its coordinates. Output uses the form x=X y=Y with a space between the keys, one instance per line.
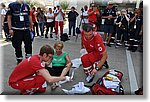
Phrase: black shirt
x=108 y=12
x=18 y=11
x=131 y=24
x=72 y=16
x=5 y=19
x=138 y=21
x=124 y=22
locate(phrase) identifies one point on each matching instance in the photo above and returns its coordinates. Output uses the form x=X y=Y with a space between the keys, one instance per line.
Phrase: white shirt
x=85 y=20
x=50 y=15
x=3 y=12
x=59 y=17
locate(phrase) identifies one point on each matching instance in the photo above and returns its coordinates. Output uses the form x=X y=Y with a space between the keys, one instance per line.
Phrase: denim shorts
x=109 y=28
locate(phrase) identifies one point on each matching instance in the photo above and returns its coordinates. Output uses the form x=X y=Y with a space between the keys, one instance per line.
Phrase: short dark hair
x=39 y=8
x=33 y=8
x=87 y=27
x=72 y=7
x=85 y=6
x=46 y=49
x=92 y=4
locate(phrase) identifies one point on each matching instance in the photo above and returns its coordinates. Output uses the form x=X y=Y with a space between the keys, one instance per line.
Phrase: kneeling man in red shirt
x=96 y=55
x=30 y=75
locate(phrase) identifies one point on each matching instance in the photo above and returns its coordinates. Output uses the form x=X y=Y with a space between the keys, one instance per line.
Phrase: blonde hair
x=59 y=44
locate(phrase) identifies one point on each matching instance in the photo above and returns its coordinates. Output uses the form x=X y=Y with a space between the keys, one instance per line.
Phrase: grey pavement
x=117 y=60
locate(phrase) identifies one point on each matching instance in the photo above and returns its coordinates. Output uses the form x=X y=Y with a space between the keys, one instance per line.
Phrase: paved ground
x=117 y=59
x=128 y=62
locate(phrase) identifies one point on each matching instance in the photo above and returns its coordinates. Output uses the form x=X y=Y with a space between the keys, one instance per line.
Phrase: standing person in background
x=84 y=15
x=109 y=15
x=20 y=24
x=72 y=20
x=41 y=20
x=54 y=18
x=93 y=13
x=122 y=27
x=50 y=23
x=136 y=24
x=59 y=20
x=33 y=14
x=4 y=21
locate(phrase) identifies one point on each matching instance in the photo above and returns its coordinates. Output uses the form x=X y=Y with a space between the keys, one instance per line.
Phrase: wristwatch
x=97 y=68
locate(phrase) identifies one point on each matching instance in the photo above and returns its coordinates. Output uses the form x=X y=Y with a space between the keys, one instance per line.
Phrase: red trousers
x=89 y=60
x=30 y=85
x=58 y=23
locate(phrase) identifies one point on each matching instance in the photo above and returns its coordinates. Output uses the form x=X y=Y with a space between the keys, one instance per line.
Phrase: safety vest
x=20 y=16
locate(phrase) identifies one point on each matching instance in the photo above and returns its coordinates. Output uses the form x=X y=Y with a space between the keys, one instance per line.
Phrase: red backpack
x=99 y=88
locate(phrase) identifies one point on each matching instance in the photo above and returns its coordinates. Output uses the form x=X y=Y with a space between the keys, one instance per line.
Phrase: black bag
x=64 y=37
x=78 y=30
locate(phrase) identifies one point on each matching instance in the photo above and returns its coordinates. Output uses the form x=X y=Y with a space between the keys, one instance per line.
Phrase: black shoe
x=46 y=37
x=106 y=65
x=89 y=78
x=127 y=45
x=118 y=45
x=134 y=49
x=19 y=61
x=141 y=50
x=7 y=40
x=51 y=36
x=109 y=45
x=129 y=48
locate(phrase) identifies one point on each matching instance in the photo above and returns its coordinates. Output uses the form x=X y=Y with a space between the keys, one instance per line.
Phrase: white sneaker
x=119 y=44
x=112 y=43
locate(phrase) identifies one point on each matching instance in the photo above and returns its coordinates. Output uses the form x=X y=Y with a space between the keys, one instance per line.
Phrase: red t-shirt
x=95 y=44
x=33 y=16
x=93 y=16
x=26 y=68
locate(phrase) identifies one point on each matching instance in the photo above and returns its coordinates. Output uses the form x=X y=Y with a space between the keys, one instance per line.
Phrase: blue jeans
x=72 y=24
x=41 y=25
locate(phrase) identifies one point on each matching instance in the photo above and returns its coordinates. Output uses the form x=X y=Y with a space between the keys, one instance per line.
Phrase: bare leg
x=105 y=36
x=109 y=38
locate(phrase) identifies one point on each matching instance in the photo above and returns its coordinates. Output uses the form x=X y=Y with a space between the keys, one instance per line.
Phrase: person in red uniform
x=93 y=13
x=30 y=75
x=96 y=55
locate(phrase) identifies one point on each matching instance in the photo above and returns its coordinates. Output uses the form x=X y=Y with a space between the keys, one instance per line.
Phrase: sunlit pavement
x=117 y=60
x=130 y=63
